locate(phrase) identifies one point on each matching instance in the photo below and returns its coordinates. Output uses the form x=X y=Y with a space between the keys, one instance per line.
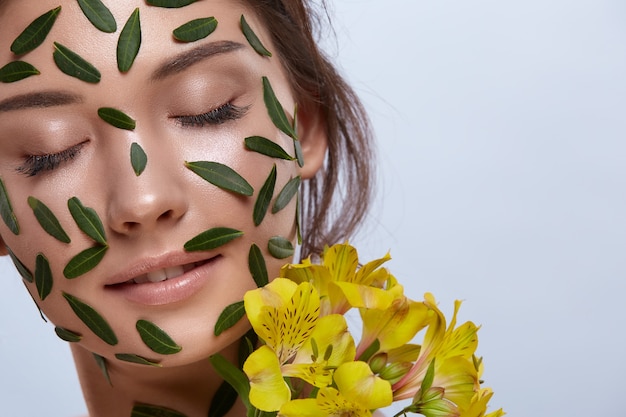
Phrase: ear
x=311 y=126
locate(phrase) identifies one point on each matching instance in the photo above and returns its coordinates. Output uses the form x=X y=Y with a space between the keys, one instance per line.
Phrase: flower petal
x=358 y=384
x=268 y=389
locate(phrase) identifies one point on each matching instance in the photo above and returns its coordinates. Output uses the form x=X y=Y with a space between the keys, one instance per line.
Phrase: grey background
x=502 y=183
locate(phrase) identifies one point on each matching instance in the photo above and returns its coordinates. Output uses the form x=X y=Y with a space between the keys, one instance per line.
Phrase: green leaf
x=74 y=65
x=131 y=357
x=234 y=376
x=99 y=15
x=37 y=305
x=87 y=220
x=170 y=4
x=67 y=335
x=84 y=262
x=267 y=147
x=256 y=264
x=253 y=40
x=427 y=382
x=286 y=194
x=129 y=42
x=21 y=268
x=116 y=118
x=148 y=410
x=102 y=364
x=35 y=33
x=298 y=229
x=196 y=29
x=138 y=158
x=48 y=220
x=221 y=176
x=229 y=317
x=43 y=276
x=92 y=319
x=280 y=248
x=212 y=239
x=298 y=151
x=6 y=211
x=17 y=70
x=276 y=111
x=156 y=339
x=264 y=198
x=223 y=400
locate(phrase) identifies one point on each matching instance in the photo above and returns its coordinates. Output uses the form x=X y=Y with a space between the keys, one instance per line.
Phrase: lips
x=165 y=273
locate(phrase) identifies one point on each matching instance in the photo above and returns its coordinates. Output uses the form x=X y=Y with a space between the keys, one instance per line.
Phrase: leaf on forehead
x=132 y=358
x=221 y=176
x=116 y=118
x=229 y=317
x=170 y=4
x=43 y=276
x=99 y=15
x=16 y=71
x=35 y=33
x=84 y=262
x=266 y=147
x=138 y=158
x=72 y=64
x=156 y=339
x=92 y=319
x=148 y=410
x=275 y=110
x=196 y=29
x=257 y=266
x=67 y=335
x=264 y=198
x=286 y=194
x=6 y=211
x=21 y=268
x=102 y=364
x=280 y=248
x=253 y=39
x=129 y=42
x=48 y=220
x=87 y=220
x=212 y=239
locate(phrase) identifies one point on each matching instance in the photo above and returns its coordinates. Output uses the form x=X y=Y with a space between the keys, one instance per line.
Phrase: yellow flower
x=268 y=389
x=478 y=405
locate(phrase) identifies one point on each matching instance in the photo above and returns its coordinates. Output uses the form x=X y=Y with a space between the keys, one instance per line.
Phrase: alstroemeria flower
x=478 y=405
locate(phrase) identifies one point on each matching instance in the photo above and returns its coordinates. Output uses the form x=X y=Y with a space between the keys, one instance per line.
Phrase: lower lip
x=169 y=291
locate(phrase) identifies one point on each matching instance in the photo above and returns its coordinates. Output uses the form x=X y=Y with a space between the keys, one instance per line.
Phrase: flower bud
x=395 y=371
x=378 y=362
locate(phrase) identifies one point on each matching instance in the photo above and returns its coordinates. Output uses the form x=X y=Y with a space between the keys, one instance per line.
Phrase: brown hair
x=335 y=201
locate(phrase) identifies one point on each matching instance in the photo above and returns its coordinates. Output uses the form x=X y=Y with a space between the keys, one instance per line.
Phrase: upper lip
x=154 y=263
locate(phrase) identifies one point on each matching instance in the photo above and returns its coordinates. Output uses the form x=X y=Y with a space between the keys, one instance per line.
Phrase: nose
x=155 y=199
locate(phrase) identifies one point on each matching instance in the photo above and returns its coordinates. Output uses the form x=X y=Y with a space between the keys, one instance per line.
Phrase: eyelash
x=222 y=114
x=35 y=164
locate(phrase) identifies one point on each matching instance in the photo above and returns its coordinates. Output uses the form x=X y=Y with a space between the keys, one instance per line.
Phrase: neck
x=187 y=389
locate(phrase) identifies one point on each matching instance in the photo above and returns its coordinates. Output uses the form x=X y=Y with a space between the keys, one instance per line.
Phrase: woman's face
x=193 y=101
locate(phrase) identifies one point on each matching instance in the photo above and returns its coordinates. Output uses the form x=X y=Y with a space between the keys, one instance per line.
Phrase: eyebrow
x=186 y=59
x=39 y=100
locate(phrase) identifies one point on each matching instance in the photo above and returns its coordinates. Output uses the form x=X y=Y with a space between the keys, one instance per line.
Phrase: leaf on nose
x=138 y=158
x=212 y=239
x=129 y=42
x=72 y=64
x=147 y=410
x=48 y=220
x=35 y=33
x=257 y=266
x=276 y=111
x=170 y=4
x=286 y=194
x=196 y=29
x=21 y=268
x=229 y=317
x=92 y=319
x=280 y=248
x=99 y=15
x=6 y=210
x=87 y=220
x=266 y=147
x=221 y=176
x=132 y=358
x=84 y=262
x=253 y=39
x=67 y=335
x=156 y=339
x=264 y=198
x=116 y=118
x=16 y=71
x=43 y=276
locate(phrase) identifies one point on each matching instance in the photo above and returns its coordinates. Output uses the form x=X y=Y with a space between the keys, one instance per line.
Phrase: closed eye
x=35 y=164
x=220 y=115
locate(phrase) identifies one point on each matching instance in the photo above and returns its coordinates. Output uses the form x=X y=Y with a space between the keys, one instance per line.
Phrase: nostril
x=166 y=215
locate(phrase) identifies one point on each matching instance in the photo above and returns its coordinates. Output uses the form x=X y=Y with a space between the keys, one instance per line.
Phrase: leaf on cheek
x=35 y=33
x=67 y=335
x=212 y=239
x=253 y=39
x=21 y=268
x=221 y=176
x=229 y=317
x=48 y=220
x=99 y=15
x=275 y=110
x=280 y=248
x=170 y=4
x=132 y=358
x=156 y=339
x=129 y=42
x=138 y=158
x=116 y=118
x=257 y=266
x=264 y=198
x=266 y=147
x=6 y=211
x=16 y=71
x=84 y=262
x=286 y=194
x=43 y=276
x=94 y=321
x=196 y=29
x=87 y=220
x=72 y=64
